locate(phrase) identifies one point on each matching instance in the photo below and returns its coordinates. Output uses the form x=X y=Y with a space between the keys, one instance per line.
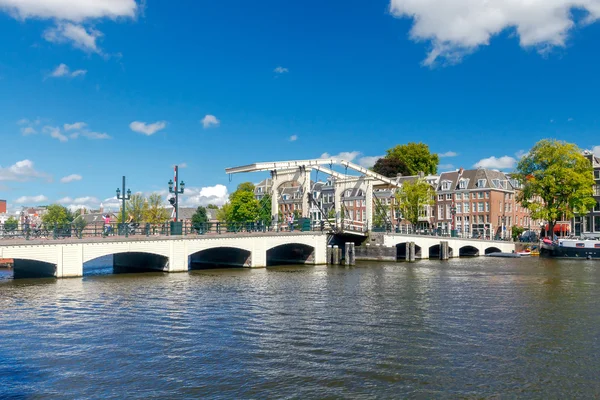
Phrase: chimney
x=101 y=208
x=460 y=171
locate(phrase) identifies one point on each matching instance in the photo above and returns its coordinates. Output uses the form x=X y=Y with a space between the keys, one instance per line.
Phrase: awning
x=560 y=227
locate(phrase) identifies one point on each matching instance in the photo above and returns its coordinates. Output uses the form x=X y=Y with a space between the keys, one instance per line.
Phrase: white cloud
x=293 y=138
x=55 y=133
x=78 y=11
x=281 y=70
x=520 y=154
x=21 y=171
x=181 y=165
x=74 y=126
x=147 y=129
x=455 y=28
x=596 y=151
x=33 y=200
x=87 y=202
x=343 y=156
x=95 y=135
x=194 y=197
x=445 y=167
x=77 y=35
x=71 y=178
x=448 y=154
x=63 y=70
x=505 y=162
x=28 y=130
x=210 y=120
x=369 y=161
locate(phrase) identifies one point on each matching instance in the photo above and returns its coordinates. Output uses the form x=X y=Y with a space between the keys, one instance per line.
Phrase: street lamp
x=453 y=212
x=177 y=190
x=124 y=198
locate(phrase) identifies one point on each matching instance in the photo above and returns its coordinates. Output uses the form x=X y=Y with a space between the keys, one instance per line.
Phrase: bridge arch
x=434 y=251
x=402 y=249
x=468 y=251
x=291 y=253
x=28 y=268
x=491 y=250
x=219 y=257
x=92 y=252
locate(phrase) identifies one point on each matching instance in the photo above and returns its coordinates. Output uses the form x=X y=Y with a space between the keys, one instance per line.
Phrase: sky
x=96 y=89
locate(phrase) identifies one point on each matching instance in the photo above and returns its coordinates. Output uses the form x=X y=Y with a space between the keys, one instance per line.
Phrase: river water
x=468 y=328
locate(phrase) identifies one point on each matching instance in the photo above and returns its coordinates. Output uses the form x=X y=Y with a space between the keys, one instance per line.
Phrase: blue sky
x=96 y=89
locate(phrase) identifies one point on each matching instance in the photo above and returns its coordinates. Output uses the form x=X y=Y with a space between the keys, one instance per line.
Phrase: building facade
x=590 y=223
x=479 y=203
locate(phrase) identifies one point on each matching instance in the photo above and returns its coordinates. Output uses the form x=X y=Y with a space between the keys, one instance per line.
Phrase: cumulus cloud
x=505 y=162
x=34 y=200
x=147 y=129
x=21 y=171
x=63 y=70
x=87 y=202
x=28 y=130
x=78 y=36
x=210 y=121
x=70 y=17
x=293 y=138
x=77 y=129
x=369 y=161
x=194 y=197
x=55 y=133
x=455 y=28
x=73 y=126
x=448 y=154
x=281 y=70
x=520 y=154
x=71 y=178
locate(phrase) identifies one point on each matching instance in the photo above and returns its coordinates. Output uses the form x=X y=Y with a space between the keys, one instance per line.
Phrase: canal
x=468 y=328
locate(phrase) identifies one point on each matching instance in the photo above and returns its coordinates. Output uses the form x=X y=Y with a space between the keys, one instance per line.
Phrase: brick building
x=479 y=203
x=2 y=206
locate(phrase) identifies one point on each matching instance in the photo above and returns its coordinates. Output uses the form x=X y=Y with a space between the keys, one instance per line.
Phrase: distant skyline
x=98 y=89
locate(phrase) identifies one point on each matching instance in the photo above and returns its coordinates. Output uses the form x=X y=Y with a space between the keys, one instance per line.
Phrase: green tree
x=224 y=213
x=416 y=157
x=199 y=219
x=212 y=207
x=264 y=209
x=56 y=215
x=557 y=181
x=245 y=187
x=516 y=231
x=412 y=198
x=156 y=213
x=244 y=207
x=137 y=206
x=11 y=224
x=390 y=167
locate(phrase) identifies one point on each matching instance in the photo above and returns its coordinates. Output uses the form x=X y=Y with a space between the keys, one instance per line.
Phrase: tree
x=264 y=209
x=137 y=206
x=244 y=207
x=390 y=167
x=516 y=231
x=416 y=157
x=212 y=207
x=56 y=215
x=245 y=187
x=199 y=219
x=224 y=213
x=412 y=198
x=557 y=181
x=11 y=224
x=156 y=213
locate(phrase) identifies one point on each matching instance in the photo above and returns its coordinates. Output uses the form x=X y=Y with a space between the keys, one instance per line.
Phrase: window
x=474 y=195
x=440 y=197
x=496 y=182
x=458 y=196
x=474 y=207
x=258 y=190
x=285 y=197
x=481 y=183
x=446 y=185
x=597 y=207
x=596 y=224
x=487 y=219
x=487 y=195
x=459 y=208
x=466 y=207
x=596 y=189
x=480 y=207
x=440 y=212
x=448 y=213
x=480 y=195
x=462 y=184
x=448 y=196
x=597 y=174
x=480 y=219
x=487 y=207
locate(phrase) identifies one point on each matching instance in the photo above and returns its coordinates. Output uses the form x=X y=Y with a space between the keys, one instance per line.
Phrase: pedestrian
x=107 y=227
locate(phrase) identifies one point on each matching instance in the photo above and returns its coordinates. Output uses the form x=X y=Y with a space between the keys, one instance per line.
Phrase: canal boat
x=583 y=249
x=504 y=255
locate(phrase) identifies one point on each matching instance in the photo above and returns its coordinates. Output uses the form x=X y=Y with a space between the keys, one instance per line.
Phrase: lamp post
x=177 y=191
x=453 y=213
x=124 y=198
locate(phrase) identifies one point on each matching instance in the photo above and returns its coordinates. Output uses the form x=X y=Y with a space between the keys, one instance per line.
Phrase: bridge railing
x=407 y=230
x=100 y=230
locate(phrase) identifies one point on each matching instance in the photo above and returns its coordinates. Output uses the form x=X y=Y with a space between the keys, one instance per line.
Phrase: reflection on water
x=464 y=328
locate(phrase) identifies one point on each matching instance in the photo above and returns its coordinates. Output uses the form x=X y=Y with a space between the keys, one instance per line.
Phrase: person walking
x=107 y=227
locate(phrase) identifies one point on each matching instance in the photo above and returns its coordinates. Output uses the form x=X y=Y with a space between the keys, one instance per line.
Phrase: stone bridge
x=65 y=258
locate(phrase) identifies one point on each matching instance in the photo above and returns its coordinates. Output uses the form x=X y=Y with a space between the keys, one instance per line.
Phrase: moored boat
x=583 y=249
x=503 y=255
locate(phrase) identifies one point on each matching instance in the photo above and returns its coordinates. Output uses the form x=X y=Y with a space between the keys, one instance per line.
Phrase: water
x=469 y=328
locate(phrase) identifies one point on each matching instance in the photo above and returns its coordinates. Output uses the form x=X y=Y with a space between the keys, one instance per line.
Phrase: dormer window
x=481 y=183
x=462 y=184
x=285 y=197
x=446 y=185
x=259 y=189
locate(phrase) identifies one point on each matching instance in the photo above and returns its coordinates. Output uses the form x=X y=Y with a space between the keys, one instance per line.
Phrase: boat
x=525 y=253
x=504 y=255
x=575 y=248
